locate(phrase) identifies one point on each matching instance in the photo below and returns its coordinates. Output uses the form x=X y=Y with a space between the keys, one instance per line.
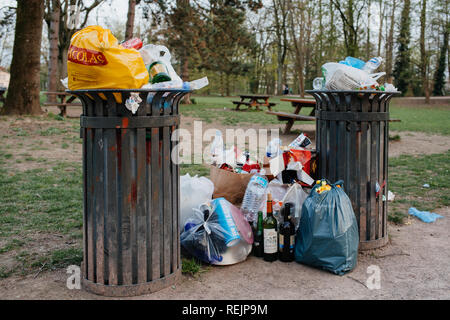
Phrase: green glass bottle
x=258 y=243
x=270 y=233
x=158 y=72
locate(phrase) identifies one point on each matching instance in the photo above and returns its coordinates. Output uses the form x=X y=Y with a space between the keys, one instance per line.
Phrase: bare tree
x=280 y=27
x=390 y=44
x=130 y=19
x=53 y=6
x=423 y=54
x=23 y=91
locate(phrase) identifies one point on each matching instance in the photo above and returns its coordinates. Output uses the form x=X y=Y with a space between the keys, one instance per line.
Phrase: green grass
x=408 y=174
x=428 y=119
x=60 y=259
x=192 y=267
x=210 y=109
x=41 y=200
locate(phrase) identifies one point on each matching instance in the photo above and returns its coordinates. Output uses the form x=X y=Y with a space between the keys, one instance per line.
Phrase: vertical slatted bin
x=352 y=130
x=131 y=192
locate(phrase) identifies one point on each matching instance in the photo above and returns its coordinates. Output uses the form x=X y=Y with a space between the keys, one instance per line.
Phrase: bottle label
x=157 y=68
x=291 y=242
x=270 y=241
x=259 y=180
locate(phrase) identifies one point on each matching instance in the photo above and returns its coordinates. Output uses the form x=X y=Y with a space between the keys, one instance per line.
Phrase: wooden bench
x=63 y=103
x=254 y=100
x=249 y=105
x=290 y=118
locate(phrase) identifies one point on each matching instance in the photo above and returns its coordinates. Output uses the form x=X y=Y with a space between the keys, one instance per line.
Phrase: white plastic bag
x=151 y=53
x=342 y=77
x=218 y=235
x=296 y=196
x=193 y=192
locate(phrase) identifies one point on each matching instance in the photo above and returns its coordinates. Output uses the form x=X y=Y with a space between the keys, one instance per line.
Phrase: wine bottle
x=270 y=233
x=286 y=235
x=258 y=243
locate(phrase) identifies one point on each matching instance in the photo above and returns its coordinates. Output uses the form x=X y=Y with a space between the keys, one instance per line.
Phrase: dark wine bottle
x=286 y=235
x=258 y=243
x=270 y=233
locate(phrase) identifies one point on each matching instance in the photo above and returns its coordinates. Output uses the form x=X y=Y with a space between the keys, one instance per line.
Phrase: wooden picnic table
x=254 y=100
x=290 y=118
x=2 y=92
x=63 y=103
x=298 y=104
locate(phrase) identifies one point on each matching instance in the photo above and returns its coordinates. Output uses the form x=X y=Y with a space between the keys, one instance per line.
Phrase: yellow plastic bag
x=97 y=61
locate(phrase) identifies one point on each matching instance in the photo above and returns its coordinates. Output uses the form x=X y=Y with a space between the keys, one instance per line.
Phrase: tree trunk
x=24 y=86
x=380 y=31
x=368 y=32
x=390 y=45
x=130 y=19
x=53 y=74
x=185 y=77
x=423 y=53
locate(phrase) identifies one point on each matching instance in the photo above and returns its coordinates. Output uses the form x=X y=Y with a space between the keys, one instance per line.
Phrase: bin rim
x=127 y=90
x=352 y=91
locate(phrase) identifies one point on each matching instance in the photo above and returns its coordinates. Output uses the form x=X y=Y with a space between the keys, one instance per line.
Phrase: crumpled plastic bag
x=328 y=236
x=343 y=77
x=425 y=216
x=193 y=192
x=151 y=53
x=223 y=238
x=96 y=60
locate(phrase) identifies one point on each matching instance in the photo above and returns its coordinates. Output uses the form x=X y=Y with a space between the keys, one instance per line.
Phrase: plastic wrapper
x=328 y=236
x=193 y=192
x=223 y=238
x=425 y=216
x=297 y=197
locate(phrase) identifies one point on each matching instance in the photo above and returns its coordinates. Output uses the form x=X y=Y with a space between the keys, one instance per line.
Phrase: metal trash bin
x=131 y=192
x=352 y=140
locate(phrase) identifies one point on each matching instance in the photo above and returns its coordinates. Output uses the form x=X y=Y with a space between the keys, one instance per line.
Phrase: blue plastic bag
x=328 y=236
x=425 y=216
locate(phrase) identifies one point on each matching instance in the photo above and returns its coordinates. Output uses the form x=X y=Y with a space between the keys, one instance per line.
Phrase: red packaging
x=134 y=43
x=299 y=155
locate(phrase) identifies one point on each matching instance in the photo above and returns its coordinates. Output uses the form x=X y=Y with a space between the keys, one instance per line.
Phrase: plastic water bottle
x=254 y=195
x=273 y=148
x=372 y=64
x=217 y=148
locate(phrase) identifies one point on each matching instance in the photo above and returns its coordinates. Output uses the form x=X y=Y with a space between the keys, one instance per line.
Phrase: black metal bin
x=131 y=192
x=352 y=140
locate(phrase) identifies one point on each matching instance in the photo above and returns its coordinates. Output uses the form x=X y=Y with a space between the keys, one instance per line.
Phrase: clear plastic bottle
x=372 y=64
x=254 y=196
x=273 y=148
x=217 y=148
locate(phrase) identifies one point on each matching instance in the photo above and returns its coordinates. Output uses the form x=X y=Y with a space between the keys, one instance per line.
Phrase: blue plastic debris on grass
x=425 y=216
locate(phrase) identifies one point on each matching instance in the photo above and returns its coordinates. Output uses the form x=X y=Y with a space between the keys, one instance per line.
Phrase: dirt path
x=415 y=265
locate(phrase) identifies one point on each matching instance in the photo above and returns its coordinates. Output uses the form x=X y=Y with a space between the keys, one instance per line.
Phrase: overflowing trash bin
x=352 y=140
x=131 y=191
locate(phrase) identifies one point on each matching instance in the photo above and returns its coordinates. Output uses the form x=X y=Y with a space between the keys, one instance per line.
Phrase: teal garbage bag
x=328 y=236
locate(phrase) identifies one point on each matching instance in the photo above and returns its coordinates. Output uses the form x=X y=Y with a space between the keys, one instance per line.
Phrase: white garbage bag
x=193 y=192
